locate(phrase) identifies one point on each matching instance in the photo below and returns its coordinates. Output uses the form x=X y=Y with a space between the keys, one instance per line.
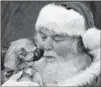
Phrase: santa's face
x=54 y=44
x=62 y=61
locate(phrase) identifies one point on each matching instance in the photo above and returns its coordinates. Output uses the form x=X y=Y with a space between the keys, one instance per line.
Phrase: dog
x=21 y=55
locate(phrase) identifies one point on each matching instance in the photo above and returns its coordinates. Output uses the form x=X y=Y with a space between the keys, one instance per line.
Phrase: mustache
x=50 y=54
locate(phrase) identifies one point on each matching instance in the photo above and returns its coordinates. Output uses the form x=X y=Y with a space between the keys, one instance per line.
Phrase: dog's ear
x=11 y=58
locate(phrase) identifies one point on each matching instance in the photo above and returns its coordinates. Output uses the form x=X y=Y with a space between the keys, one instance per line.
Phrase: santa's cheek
x=39 y=42
x=62 y=51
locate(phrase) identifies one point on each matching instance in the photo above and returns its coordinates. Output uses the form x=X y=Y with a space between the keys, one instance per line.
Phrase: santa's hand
x=13 y=81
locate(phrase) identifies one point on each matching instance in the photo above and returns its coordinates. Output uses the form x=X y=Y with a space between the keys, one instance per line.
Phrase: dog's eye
x=22 y=53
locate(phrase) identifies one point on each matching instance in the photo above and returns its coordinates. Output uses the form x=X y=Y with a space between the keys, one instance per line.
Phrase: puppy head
x=11 y=57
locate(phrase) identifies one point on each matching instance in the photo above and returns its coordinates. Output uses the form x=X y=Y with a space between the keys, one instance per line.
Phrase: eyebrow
x=40 y=31
x=60 y=35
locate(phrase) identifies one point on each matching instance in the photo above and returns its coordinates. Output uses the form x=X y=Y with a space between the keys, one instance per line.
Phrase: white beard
x=86 y=76
x=56 y=70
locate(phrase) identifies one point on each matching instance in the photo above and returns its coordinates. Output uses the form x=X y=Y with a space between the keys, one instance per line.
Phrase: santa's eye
x=44 y=37
x=59 y=38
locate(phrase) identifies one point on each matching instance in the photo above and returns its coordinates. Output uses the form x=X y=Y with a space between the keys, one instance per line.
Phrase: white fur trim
x=86 y=76
x=91 y=38
x=61 y=20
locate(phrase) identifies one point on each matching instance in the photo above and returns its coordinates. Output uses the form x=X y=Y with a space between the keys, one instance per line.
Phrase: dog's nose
x=38 y=53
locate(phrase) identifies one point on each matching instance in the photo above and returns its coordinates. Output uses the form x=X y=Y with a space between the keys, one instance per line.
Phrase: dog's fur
x=13 y=57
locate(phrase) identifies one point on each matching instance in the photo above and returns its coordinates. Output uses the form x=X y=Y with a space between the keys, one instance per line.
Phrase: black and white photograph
x=50 y=43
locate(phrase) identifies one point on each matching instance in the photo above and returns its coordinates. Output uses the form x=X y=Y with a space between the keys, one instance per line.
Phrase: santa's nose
x=48 y=44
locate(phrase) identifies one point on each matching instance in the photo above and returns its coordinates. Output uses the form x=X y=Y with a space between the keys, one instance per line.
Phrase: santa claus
x=72 y=45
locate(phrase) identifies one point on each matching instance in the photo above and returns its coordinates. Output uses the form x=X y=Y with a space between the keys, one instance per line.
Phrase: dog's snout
x=38 y=53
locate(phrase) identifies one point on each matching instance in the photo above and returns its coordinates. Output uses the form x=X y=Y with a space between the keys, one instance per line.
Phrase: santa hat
x=72 y=18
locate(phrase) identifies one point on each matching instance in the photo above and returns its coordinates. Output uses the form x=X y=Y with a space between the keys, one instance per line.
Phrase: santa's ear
x=91 y=38
x=11 y=58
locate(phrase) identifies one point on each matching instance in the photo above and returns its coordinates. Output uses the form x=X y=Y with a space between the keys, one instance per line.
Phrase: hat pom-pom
x=91 y=38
